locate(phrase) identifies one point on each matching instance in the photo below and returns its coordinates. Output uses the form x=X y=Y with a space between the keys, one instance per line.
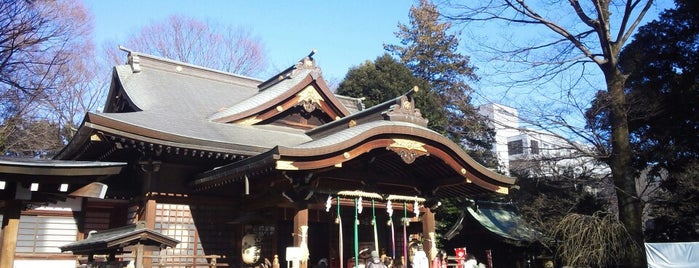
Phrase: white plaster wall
x=45 y=263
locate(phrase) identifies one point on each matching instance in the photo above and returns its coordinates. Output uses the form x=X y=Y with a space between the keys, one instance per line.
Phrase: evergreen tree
x=385 y=79
x=663 y=87
x=430 y=52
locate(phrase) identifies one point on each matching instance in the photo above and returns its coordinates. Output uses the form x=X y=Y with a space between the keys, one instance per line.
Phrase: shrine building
x=224 y=163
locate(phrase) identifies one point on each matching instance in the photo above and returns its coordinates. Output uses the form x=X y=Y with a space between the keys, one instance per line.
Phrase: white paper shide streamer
x=328 y=203
x=416 y=208
x=389 y=208
x=359 y=205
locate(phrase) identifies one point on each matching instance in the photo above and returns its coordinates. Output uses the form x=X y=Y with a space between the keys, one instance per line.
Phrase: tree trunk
x=630 y=206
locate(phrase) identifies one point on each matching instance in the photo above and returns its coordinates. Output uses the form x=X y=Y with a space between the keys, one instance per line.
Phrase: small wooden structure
x=131 y=238
x=30 y=183
x=497 y=233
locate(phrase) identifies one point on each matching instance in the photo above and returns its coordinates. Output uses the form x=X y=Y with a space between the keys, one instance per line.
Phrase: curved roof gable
x=403 y=154
x=407 y=140
x=300 y=86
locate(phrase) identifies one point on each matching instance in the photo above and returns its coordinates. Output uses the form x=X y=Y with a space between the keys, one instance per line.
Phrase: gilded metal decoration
x=310 y=99
x=407 y=105
x=286 y=165
x=249 y=121
x=408 y=150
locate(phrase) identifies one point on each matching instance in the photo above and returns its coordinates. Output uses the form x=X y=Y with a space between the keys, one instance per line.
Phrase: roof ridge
x=136 y=59
x=306 y=62
x=395 y=109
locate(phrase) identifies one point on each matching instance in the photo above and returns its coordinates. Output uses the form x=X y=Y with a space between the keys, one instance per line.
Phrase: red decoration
x=460 y=257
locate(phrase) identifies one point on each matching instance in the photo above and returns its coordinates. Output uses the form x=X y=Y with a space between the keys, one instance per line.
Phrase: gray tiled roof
x=264 y=96
x=117 y=238
x=176 y=101
x=186 y=95
x=349 y=133
x=352 y=104
x=50 y=163
x=179 y=103
x=198 y=131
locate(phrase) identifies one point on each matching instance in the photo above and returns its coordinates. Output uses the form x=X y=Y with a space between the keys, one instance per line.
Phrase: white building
x=504 y=120
x=537 y=153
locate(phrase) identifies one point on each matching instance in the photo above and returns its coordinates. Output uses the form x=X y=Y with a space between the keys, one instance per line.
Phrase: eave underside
x=371 y=166
x=36 y=182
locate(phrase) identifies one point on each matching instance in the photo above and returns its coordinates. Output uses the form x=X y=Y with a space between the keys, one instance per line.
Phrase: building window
x=534 y=147
x=515 y=147
x=176 y=221
x=44 y=234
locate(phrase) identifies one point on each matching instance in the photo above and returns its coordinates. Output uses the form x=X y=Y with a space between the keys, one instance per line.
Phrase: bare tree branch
x=206 y=44
x=39 y=44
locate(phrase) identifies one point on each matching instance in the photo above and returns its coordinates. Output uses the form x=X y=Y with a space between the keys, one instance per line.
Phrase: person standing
x=420 y=258
x=375 y=261
x=471 y=261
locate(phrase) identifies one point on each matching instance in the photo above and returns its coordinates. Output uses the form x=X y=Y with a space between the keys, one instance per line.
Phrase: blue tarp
x=676 y=255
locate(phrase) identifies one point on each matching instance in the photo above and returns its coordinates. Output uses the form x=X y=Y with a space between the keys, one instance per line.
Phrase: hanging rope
x=373 y=222
x=339 y=231
x=405 y=233
x=356 y=231
x=357 y=196
x=389 y=210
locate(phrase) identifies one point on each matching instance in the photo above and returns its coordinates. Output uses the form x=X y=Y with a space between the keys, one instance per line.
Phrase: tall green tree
x=385 y=78
x=430 y=52
x=663 y=87
x=663 y=92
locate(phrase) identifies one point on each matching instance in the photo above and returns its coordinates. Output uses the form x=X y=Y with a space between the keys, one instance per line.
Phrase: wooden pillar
x=428 y=234
x=139 y=256
x=10 y=226
x=147 y=215
x=300 y=219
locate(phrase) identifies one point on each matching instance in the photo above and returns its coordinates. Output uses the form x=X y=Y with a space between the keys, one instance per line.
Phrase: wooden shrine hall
x=230 y=165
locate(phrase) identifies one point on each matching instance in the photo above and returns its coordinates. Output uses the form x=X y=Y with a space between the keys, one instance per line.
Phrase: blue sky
x=344 y=33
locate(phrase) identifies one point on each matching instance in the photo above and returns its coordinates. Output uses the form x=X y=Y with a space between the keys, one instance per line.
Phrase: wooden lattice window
x=176 y=221
x=44 y=234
